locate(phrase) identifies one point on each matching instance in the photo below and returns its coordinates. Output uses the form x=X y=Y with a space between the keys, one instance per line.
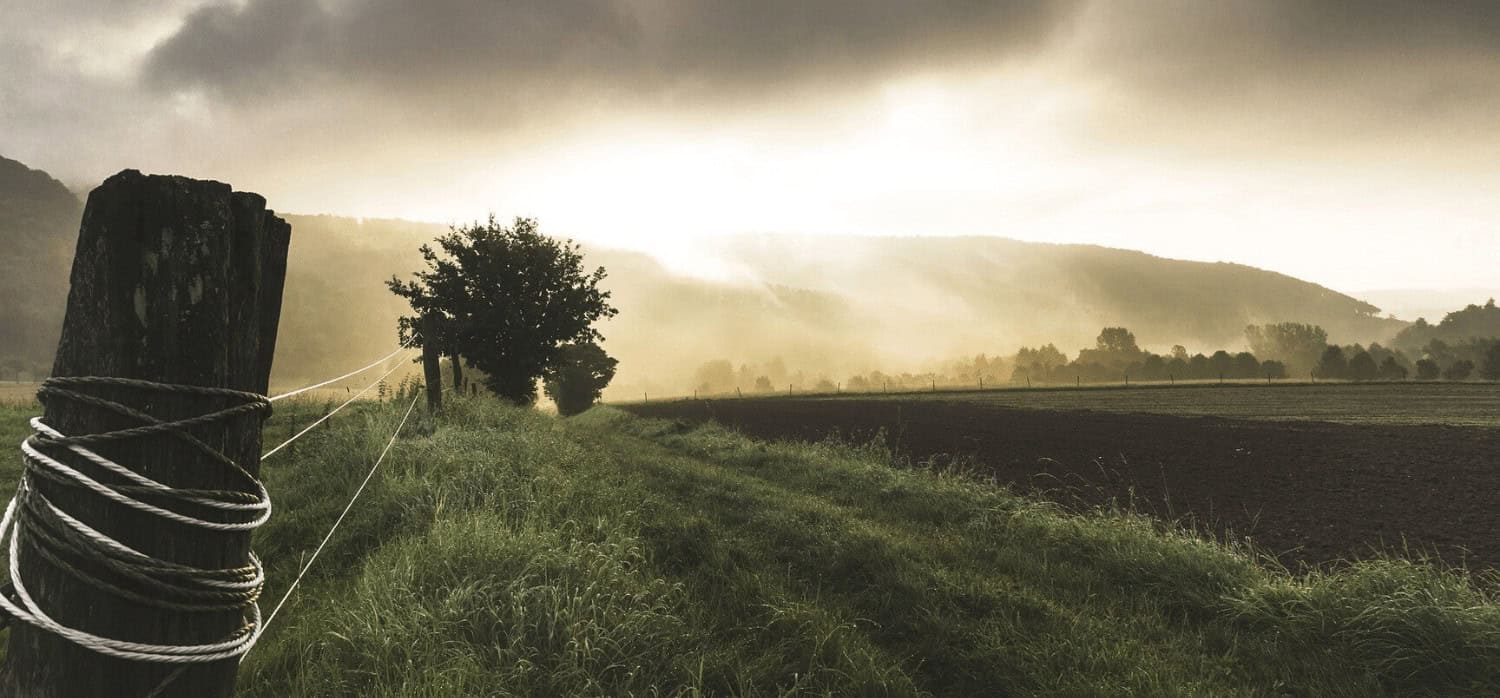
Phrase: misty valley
x=749 y=348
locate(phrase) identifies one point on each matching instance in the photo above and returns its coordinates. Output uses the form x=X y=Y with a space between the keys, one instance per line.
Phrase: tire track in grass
x=960 y=626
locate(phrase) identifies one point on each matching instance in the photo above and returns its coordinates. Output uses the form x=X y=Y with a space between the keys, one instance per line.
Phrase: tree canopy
x=1490 y=371
x=1473 y=321
x=1333 y=364
x=507 y=298
x=577 y=376
x=1296 y=344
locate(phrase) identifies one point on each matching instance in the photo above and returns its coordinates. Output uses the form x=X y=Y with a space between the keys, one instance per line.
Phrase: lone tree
x=577 y=376
x=508 y=298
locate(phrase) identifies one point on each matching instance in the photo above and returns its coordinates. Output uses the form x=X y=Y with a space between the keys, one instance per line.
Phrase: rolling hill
x=825 y=306
x=38 y=227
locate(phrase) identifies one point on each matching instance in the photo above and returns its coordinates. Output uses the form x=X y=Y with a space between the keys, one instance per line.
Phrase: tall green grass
x=505 y=552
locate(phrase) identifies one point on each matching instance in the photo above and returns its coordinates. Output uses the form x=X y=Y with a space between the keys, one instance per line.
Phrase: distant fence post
x=176 y=282
x=432 y=371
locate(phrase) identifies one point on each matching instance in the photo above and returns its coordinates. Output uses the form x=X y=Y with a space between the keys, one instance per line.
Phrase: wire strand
x=308 y=565
x=326 y=417
x=351 y=374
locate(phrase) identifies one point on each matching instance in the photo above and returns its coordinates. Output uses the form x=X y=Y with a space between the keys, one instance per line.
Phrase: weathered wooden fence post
x=432 y=371
x=458 y=373
x=175 y=281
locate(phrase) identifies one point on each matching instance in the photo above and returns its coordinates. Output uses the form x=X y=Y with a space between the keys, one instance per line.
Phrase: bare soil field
x=1307 y=491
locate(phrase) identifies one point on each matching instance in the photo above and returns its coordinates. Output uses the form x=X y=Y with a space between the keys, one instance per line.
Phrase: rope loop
x=37 y=524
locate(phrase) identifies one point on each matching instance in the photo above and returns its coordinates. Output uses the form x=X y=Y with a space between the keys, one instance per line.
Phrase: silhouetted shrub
x=1428 y=370
x=1333 y=365
x=1362 y=367
x=1392 y=371
x=1459 y=370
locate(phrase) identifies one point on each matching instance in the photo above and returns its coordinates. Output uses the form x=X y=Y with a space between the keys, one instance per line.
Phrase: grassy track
x=510 y=553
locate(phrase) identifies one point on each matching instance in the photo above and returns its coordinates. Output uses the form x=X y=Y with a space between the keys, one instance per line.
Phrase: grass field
x=511 y=553
x=1409 y=402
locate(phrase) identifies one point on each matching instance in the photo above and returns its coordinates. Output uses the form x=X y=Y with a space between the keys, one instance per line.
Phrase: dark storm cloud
x=389 y=44
x=1374 y=62
x=1284 y=57
x=344 y=72
x=402 y=47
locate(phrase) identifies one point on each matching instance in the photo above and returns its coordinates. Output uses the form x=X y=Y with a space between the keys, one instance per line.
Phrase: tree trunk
x=432 y=371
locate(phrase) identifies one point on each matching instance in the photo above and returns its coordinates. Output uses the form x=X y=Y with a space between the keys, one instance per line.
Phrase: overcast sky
x=1349 y=142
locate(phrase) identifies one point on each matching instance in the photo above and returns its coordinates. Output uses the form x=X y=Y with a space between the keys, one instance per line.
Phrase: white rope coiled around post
x=36 y=524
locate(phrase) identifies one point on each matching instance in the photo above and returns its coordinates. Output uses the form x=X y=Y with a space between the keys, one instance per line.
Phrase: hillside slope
x=1470 y=323
x=824 y=306
x=38 y=228
x=1036 y=292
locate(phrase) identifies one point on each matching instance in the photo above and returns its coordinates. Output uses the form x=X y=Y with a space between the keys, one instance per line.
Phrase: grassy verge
x=510 y=553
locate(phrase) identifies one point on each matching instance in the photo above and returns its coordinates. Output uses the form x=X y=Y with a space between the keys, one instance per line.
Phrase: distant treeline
x=1277 y=351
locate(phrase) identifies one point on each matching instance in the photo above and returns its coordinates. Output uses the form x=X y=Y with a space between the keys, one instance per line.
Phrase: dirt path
x=1307 y=491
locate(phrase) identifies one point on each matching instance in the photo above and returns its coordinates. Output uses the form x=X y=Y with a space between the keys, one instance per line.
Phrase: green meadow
x=501 y=551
